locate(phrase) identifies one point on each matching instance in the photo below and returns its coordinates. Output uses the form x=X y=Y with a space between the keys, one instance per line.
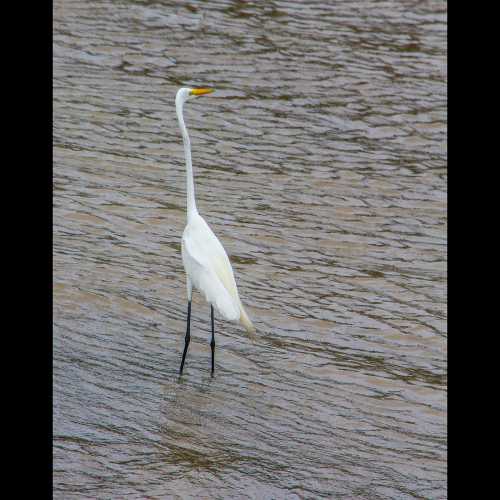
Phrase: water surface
x=320 y=164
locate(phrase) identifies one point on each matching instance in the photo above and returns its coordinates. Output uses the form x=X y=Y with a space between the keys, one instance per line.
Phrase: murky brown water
x=320 y=164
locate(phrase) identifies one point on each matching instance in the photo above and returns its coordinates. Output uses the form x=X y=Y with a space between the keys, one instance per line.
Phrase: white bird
x=205 y=261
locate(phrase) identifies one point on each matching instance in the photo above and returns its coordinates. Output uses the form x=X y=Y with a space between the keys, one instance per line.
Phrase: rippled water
x=320 y=164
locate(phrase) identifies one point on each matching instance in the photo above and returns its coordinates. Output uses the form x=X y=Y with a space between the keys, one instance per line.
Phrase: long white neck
x=191 y=203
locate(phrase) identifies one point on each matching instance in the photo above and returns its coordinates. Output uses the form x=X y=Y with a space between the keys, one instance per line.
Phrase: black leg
x=212 y=343
x=188 y=338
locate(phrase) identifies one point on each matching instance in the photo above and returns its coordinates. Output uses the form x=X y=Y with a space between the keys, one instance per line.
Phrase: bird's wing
x=210 y=272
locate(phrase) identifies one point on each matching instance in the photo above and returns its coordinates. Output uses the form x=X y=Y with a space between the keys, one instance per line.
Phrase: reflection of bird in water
x=205 y=260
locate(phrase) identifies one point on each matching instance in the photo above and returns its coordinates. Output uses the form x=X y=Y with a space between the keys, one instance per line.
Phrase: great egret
x=205 y=260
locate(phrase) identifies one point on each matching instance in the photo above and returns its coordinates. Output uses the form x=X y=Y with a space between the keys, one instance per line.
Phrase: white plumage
x=205 y=261
x=207 y=267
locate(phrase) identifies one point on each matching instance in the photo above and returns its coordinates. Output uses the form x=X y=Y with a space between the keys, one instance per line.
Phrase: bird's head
x=185 y=93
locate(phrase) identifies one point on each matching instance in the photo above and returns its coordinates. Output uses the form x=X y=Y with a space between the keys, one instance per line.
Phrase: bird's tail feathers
x=247 y=324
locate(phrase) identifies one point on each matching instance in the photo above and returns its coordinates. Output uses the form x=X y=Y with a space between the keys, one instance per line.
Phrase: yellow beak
x=201 y=91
